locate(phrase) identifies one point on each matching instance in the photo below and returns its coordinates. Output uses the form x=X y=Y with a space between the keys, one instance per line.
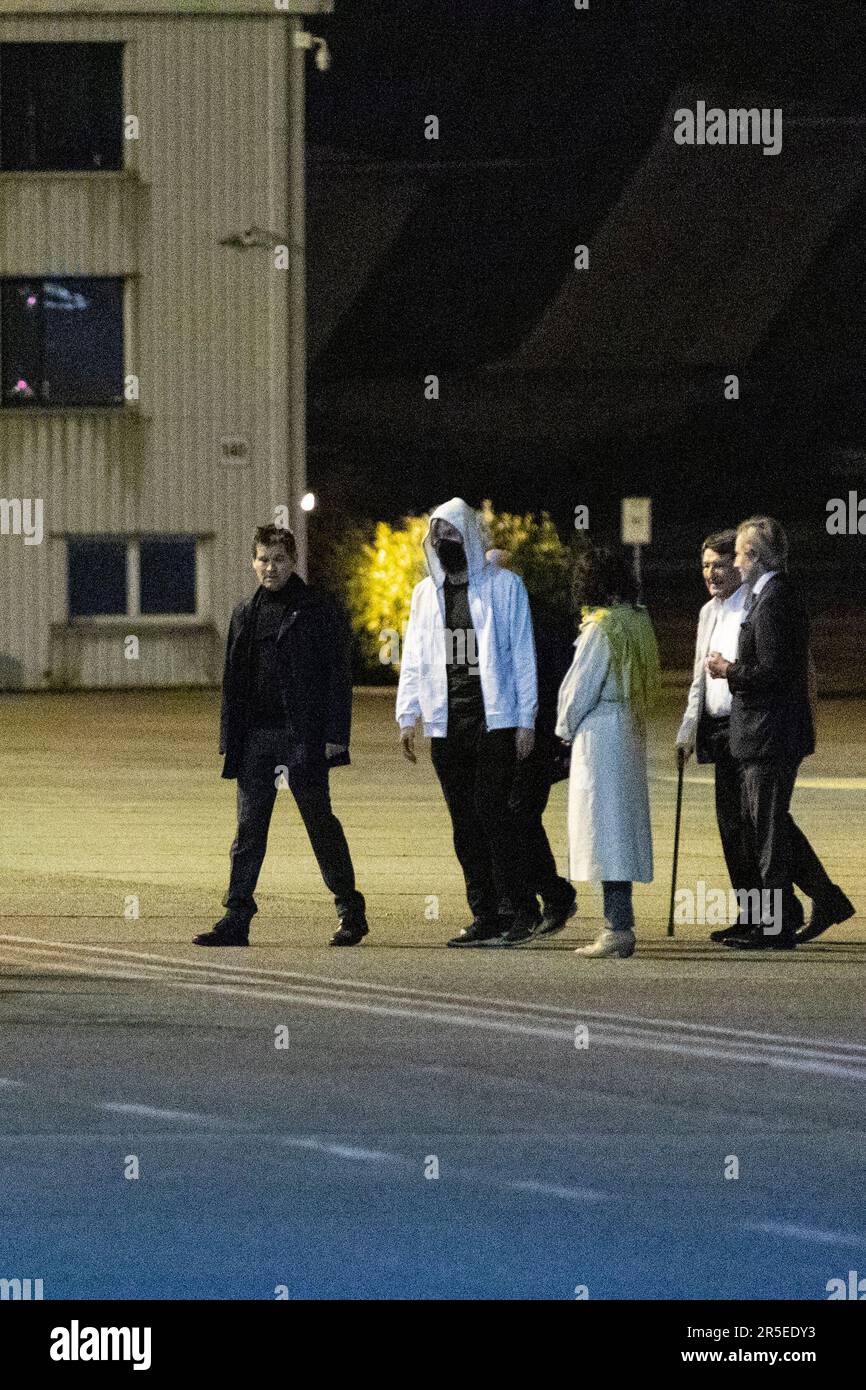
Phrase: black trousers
x=783 y=854
x=734 y=832
x=264 y=751
x=476 y=771
x=530 y=793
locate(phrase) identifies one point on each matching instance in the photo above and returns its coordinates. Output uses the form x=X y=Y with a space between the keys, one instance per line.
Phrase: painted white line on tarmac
x=481 y=1020
x=714 y=1032
x=723 y=1042
x=349 y=1151
x=823 y=784
x=151 y=1112
x=5 y=1081
x=792 y=1232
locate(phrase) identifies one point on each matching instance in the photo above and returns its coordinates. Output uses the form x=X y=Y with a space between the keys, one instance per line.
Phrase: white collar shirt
x=724 y=638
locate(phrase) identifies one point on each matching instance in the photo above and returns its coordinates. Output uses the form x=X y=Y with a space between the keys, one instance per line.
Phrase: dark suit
x=310 y=689
x=771 y=731
x=315 y=671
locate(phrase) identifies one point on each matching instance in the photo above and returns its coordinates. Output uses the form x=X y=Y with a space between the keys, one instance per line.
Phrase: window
x=61 y=106
x=97 y=577
x=125 y=576
x=167 y=568
x=61 y=342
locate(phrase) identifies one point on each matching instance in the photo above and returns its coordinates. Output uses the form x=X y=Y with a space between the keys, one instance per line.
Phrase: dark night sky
x=577 y=100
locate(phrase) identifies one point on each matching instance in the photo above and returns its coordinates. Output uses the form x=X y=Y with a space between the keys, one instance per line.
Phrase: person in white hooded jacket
x=468 y=672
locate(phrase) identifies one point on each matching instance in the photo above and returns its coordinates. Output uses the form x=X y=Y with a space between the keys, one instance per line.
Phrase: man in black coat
x=771 y=731
x=286 y=713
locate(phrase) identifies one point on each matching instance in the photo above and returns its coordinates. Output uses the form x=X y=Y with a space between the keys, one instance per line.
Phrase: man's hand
x=332 y=750
x=524 y=742
x=717 y=665
x=407 y=741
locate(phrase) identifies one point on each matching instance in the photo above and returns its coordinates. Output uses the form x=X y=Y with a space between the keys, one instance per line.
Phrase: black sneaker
x=523 y=928
x=479 y=934
x=228 y=931
x=554 y=917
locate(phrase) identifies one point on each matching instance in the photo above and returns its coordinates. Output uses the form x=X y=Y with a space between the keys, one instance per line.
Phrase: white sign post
x=637 y=530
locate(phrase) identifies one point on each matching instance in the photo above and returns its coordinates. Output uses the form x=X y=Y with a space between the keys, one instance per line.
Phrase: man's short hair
x=275 y=535
x=769 y=541
x=722 y=542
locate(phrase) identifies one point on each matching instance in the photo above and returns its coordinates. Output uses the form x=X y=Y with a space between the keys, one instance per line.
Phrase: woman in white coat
x=603 y=703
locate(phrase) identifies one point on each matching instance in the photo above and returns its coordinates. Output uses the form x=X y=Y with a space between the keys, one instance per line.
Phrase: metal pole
x=638 y=574
x=296 y=470
x=681 y=762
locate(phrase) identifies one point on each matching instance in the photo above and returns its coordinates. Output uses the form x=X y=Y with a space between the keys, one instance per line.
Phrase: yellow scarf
x=634 y=654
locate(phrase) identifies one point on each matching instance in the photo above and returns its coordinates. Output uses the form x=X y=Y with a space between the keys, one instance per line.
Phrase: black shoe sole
x=468 y=945
x=197 y=942
x=742 y=944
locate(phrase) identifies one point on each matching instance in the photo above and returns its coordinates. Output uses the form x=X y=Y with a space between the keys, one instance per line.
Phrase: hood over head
x=476 y=540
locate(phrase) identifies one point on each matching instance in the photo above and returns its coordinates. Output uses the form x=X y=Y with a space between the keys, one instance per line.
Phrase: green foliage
x=537 y=554
x=379 y=588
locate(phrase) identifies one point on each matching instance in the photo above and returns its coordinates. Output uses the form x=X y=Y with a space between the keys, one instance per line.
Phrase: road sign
x=636 y=520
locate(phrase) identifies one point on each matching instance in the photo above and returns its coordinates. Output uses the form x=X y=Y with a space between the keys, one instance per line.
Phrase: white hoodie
x=499 y=606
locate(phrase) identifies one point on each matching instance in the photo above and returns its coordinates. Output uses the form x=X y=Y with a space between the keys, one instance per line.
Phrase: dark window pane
x=62 y=342
x=168 y=574
x=61 y=106
x=97 y=576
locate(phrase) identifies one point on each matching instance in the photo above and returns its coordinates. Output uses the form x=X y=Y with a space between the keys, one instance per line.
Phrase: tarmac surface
x=402 y=1120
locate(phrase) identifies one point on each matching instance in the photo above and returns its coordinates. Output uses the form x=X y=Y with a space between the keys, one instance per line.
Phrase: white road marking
x=810 y=1233
x=151 y=1112
x=343 y=1150
x=823 y=784
x=5 y=1081
x=218 y=969
x=802 y=1059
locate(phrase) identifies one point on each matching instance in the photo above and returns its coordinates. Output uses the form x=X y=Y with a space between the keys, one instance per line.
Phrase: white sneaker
x=609 y=943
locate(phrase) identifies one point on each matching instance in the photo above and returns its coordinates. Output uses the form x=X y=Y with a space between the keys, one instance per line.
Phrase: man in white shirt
x=705 y=726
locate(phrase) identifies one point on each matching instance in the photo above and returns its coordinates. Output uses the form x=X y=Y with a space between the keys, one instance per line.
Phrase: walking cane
x=681 y=762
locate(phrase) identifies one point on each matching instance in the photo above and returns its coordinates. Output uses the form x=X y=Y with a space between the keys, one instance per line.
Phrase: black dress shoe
x=480 y=934
x=836 y=908
x=759 y=940
x=555 y=916
x=351 y=932
x=228 y=931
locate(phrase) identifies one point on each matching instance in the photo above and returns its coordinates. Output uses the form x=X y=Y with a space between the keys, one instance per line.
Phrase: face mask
x=452 y=556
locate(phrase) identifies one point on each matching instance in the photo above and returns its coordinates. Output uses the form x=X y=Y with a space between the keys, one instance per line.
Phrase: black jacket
x=771 y=717
x=314 y=658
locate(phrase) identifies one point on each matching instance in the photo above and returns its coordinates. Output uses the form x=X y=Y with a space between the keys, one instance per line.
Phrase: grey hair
x=768 y=541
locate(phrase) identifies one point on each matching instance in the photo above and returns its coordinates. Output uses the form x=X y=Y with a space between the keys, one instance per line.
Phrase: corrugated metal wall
x=207 y=330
